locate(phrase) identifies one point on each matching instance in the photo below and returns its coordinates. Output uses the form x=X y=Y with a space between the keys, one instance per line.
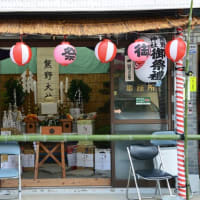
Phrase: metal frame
x=16 y=177
x=135 y=176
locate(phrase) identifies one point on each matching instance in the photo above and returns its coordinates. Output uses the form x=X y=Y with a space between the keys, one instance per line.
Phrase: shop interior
x=80 y=105
x=85 y=97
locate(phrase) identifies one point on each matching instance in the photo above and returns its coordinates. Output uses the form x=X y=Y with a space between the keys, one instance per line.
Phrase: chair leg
x=158 y=187
x=128 y=183
x=169 y=188
x=134 y=175
x=19 y=180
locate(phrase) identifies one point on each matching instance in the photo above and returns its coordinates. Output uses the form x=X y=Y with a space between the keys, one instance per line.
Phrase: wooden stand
x=50 y=130
x=66 y=125
x=49 y=154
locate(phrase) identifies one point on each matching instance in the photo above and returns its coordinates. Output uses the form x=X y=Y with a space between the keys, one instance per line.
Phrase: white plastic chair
x=11 y=148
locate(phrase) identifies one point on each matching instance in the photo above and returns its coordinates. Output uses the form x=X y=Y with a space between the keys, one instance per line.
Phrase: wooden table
x=56 y=145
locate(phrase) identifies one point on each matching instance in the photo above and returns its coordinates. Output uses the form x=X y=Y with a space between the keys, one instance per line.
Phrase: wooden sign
x=47 y=75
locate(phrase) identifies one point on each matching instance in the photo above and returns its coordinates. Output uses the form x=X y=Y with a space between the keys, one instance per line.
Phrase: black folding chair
x=146 y=154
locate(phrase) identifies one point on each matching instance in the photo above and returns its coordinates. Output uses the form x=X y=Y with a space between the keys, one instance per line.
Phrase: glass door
x=136 y=108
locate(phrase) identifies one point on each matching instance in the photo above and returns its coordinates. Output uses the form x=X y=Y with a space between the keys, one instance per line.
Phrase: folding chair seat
x=149 y=172
x=11 y=148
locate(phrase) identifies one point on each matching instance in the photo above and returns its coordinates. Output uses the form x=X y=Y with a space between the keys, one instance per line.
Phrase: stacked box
x=71 y=156
x=9 y=161
x=102 y=159
x=85 y=127
x=28 y=159
x=85 y=156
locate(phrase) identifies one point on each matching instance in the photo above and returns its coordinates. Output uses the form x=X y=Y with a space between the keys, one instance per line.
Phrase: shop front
x=85 y=97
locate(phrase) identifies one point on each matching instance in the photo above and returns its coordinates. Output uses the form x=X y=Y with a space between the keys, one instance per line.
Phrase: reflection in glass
x=121 y=156
x=136 y=99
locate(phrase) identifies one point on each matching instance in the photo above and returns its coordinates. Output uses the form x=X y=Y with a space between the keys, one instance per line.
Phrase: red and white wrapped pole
x=180 y=80
x=175 y=51
x=180 y=128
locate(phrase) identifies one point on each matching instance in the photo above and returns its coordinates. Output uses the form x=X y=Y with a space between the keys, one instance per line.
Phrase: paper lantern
x=65 y=53
x=175 y=49
x=20 y=53
x=139 y=51
x=155 y=67
x=105 y=51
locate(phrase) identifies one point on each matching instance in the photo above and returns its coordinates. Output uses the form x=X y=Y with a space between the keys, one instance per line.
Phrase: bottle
x=5 y=119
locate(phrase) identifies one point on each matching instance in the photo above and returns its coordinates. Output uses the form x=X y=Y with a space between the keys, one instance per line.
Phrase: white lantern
x=154 y=68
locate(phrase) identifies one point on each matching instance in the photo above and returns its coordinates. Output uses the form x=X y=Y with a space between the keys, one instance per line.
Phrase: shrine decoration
x=175 y=49
x=105 y=51
x=20 y=53
x=154 y=68
x=65 y=53
x=27 y=81
x=139 y=51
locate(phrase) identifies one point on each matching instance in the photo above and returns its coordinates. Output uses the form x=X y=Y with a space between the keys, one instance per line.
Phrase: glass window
x=120 y=154
x=136 y=99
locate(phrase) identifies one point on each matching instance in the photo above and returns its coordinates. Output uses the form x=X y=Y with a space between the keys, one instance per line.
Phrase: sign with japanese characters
x=155 y=67
x=47 y=75
x=129 y=69
x=143 y=101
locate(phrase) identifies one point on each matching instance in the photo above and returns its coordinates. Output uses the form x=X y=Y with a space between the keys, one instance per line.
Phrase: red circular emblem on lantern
x=65 y=53
x=105 y=51
x=175 y=49
x=20 y=53
x=139 y=51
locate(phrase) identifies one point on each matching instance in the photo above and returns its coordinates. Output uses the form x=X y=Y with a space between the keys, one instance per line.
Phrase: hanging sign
x=47 y=75
x=155 y=67
x=143 y=101
x=129 y=69
x=193 y=49
x=193 y=83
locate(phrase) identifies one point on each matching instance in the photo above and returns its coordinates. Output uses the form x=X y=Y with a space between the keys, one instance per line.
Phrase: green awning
x=85 y=63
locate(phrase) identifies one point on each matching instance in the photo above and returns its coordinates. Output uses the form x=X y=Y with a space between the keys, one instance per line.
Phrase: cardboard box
x=85 y=156
x=5 y=132
x=9 y=161
x=85 y=127
x=51 y=130
x=102 y=159
x=28 y=158
x=71 y=156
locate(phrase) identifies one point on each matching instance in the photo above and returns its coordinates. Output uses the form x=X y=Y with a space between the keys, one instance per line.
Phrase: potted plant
x=16 y=85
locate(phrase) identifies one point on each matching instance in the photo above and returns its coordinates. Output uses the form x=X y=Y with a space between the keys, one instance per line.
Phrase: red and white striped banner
x=180 y=79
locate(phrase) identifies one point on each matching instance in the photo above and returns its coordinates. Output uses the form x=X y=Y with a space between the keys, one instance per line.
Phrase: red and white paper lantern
x=65 y=53
x=175 y=49
x=20 y=53
x=105 y=51
x=139 y=51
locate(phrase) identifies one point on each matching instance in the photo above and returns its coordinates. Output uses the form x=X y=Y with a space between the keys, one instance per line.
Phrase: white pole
x=35 y=91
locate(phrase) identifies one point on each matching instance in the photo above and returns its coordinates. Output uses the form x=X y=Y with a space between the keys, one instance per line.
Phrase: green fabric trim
x=85 y=63
x=8 y=67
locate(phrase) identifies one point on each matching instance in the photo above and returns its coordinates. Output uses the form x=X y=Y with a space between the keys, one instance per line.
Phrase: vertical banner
x=47 y=75
x=129 y=69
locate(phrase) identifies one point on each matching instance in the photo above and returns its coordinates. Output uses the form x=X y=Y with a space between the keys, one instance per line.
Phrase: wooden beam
x=57 y=182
